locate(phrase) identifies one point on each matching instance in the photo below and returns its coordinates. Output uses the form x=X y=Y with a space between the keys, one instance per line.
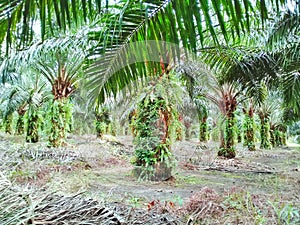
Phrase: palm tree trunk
x=279 y=136
x=20 y=125
x=283 y=136
x=152 y=145
x=187 y=125
x=32 y=129
x=60 y=121
x=227 y=142
x=203 y=133
x=20 y=122
x=273 y=138
x=229 y=132
x=8 y=123
x=265 y=135
x=249 y=138
x=100 y=128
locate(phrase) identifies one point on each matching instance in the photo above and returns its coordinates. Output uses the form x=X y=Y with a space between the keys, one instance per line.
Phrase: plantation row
x=156 y=66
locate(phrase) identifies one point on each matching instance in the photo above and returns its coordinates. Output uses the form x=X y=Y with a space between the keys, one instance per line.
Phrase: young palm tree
x=38 y=95
x=130 y=22
x=265 y=136
x=6 y=109
x=272 y=126
x=227 y=101
x=278 y=127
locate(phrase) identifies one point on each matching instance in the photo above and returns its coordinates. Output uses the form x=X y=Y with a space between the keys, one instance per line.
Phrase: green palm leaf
x=62 y=14
x=291 y=87
x=142 y=22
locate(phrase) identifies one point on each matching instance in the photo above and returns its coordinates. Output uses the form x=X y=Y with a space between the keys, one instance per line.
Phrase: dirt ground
x=262 y=171
x=102 y=170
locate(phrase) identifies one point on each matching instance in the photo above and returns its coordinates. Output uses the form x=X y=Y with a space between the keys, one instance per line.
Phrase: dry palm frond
x=19 y=206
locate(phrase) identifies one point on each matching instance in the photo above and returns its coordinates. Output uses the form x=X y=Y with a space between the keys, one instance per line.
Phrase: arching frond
x=284 y=30
x=185 y=25
x=291 y=93
x=24 y=16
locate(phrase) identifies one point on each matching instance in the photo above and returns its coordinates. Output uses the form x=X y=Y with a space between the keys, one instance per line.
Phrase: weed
x=285 y=213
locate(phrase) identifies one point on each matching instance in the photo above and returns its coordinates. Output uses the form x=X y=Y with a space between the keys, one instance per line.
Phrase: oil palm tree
x=61 y=65
x=205 y=84
x=7 y=100
x=116 y=30
x=25 y=96
x=39 y=94
x=102 y=120
x=264 y=113
x=226 y=98
x=278 y=127
x=228 y=68
x=155 y=123
x=60 y=62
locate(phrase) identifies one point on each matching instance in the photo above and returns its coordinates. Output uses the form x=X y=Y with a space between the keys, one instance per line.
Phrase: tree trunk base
x=228 y=153
x=158 y=172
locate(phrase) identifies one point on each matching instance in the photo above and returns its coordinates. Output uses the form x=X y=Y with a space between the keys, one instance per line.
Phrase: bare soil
x=197 y=166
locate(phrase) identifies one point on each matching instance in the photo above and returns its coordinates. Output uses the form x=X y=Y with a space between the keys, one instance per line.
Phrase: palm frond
x=187 y=25
x=22 y=16
x=284 y=29
x=240 y=63
x=291 y=90
x=272 y=107
x=283 y=39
